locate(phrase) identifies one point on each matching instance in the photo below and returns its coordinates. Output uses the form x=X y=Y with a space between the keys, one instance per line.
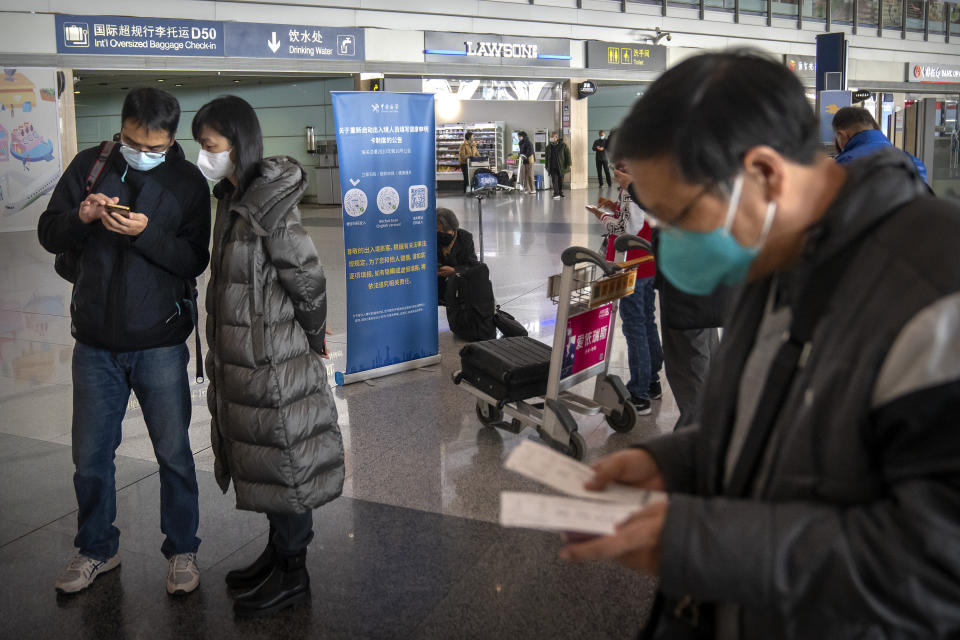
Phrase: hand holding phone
x=598 y=212
x=119 y=209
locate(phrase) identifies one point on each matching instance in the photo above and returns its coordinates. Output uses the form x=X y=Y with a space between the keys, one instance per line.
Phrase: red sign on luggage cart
x=586 y=342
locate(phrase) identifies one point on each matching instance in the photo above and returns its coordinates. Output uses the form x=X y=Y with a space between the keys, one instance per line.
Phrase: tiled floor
x=410 y=551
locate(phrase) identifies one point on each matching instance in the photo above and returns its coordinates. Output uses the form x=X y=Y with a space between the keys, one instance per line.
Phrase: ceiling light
x=179 y=84
x=236 y=82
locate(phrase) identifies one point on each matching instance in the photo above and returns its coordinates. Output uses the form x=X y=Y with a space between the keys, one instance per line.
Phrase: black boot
x=249 y=577
x=287 y=585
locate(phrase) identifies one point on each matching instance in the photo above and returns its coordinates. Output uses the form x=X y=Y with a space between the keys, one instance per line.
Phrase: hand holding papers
x=595 y=512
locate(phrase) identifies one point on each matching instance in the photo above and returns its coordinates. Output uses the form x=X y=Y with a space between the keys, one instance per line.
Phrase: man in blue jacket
x=856 y=134
x=132 y=311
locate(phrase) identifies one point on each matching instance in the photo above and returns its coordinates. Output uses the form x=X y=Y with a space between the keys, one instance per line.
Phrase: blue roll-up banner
x=386 y=145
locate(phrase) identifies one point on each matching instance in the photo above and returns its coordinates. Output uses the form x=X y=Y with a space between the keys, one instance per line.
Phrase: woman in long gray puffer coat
x=274 y=427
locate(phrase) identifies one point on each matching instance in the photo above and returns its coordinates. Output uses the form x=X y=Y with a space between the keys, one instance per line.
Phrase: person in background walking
x=600 y=155
x=558 y=163
x=468 y=149
x=274 y=423
x=526 y=162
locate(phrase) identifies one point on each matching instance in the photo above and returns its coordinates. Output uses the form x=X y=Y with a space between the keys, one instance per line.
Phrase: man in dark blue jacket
x=856 y=135
x=132 y=310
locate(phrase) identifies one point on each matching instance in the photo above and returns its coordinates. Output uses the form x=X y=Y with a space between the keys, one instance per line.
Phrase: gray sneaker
x=82 y=571
x=183 y=575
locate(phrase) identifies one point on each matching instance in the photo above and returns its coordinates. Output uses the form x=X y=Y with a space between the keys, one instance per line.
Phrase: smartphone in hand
x=119 y=209
x=597 y=211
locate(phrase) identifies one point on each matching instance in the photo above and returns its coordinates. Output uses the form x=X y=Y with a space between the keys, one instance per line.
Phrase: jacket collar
x=278 y=188
x=877 y=186
x=867 y=137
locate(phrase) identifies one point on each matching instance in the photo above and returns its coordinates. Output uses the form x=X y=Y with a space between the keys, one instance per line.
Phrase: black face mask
x=445 y=239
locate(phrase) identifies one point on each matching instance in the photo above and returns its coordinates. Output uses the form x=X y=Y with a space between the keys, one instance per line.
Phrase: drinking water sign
x=119 y=35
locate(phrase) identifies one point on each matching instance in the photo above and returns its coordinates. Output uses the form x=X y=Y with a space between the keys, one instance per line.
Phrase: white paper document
x=555 y=513
x=591 y=512
x=566 y=475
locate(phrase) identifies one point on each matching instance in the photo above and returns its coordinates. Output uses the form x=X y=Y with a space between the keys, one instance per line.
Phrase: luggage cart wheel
x=577 y=446
x=488 y=414
x=625 y=420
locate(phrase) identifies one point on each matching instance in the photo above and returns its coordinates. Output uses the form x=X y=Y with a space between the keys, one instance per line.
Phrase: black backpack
x=470 y=304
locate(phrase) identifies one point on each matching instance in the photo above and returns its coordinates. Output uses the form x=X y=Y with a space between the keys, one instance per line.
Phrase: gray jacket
x=274 y=427
x=854 y=530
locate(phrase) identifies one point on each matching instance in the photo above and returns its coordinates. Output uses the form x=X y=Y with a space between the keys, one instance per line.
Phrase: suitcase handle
x=575 y=255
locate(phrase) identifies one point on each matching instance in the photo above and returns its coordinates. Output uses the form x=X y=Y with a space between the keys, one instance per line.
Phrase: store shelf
x=488 y=136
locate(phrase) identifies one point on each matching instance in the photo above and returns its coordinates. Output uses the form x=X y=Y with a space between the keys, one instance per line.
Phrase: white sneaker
x=183 y=576
x=556 y=197
x=82 y=571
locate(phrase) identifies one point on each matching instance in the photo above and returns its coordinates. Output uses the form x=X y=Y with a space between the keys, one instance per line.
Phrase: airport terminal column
x=577 y=138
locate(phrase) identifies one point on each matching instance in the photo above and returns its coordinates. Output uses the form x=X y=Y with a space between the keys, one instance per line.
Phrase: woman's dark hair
x=235 y=120
x=468 y=135
x=709 y=110
x=153 y=109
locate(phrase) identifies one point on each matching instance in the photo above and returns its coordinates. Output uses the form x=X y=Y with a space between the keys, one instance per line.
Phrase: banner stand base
x=349 y=378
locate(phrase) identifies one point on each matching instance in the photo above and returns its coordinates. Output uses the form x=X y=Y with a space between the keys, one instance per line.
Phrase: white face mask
x=215 y=166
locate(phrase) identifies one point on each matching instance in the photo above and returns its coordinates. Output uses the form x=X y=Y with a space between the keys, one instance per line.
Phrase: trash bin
x=538 y=182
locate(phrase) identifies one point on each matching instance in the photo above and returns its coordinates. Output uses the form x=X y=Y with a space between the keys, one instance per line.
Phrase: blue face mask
x=697 y=263
x=142 y=160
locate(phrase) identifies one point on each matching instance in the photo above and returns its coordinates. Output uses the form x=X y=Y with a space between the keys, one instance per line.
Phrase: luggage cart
x=587 y=293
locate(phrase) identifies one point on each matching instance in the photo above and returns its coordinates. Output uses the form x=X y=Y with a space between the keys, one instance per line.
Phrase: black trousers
x=466 y=181
x=291 y=533
x=602 y=164
x=686 y=356
x=556 y=178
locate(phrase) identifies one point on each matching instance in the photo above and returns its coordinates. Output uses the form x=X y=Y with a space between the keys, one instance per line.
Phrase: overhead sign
x=803 y=66
x=618 y=55
x=933 y=72
x=120 y=35
x=830 y=103
x=586 y=89
x=862 y=94
x=472 y=48
x=125 y=36
x=251 y=40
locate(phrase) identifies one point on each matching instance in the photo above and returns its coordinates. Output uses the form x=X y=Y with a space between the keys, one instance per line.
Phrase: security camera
x=669 y=37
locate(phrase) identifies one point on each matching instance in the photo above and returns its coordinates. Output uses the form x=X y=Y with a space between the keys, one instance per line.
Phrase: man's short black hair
x=710 y=109
x=234 y=119
x=153 y=109
x=849 y=118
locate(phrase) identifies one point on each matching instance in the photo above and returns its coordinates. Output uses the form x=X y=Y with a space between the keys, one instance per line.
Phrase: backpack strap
x=96 y=171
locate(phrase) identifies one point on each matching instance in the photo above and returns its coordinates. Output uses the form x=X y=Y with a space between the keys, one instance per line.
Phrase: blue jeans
x=102 y=381
x=644 y=353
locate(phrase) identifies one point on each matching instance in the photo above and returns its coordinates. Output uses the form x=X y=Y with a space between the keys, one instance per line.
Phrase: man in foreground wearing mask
x=132 y=311
x=819 y=495
x=455 y=250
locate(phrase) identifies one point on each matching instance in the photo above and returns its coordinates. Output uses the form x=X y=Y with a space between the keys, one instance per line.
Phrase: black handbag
x=67 y=263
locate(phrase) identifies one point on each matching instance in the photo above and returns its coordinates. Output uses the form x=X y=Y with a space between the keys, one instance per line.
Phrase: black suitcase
x=508 y=369
x=507 y=324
